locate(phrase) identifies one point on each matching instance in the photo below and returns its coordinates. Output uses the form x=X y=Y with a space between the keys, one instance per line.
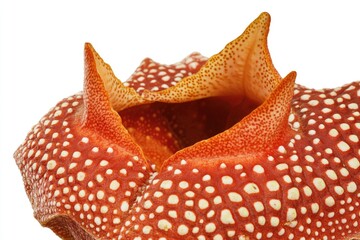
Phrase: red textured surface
x=230 y=151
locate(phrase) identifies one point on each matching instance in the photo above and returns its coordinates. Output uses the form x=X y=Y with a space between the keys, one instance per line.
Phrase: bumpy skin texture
x=219 y=148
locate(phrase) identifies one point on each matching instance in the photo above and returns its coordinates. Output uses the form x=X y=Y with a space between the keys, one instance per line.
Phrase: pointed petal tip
x=291 y=76
x=88 y=47
x=265 y=15
x=264 y=19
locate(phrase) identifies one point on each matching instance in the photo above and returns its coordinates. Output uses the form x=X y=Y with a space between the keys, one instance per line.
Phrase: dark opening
x=161 y=129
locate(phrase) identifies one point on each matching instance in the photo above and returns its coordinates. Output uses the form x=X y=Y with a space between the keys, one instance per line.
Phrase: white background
x=42 y=62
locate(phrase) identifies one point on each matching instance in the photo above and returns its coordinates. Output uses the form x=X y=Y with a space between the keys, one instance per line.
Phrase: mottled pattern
x=305 y=188
x=153 y=76
x=86 y=178
x=217 y=149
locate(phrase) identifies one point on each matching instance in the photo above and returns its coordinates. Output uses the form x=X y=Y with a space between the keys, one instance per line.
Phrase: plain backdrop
x=41 y=58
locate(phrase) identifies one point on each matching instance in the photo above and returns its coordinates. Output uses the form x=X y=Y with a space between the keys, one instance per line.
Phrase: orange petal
x=244 y=68
x=103 y=93
x=100 y=77
x=257 y=133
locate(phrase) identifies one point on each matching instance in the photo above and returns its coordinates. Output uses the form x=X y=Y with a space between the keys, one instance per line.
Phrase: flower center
x=162 y=129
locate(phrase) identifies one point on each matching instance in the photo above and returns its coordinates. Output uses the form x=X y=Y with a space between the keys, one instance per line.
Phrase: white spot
x=114 y=185
x=210 y=214
x=249 y=227
x=291 y=214
x=165 y=78
x=158 y=194
x=273 y=185
x=164 y=224
x=172 y=214
x=234 y=197
x=293 y=194
x=354 y=163
x=190 y=194
x=329 y=101
x=227 y=180
x=173 y=199
x=226 y=217
x=159 y=209
x=261 y=220
x=97 y=221
x=281 y=149
x=326 y=110
x=344 y=126
x=287 y=179
x=206 y=177
x=189 y=215
x=305 y=97
x=307 y=191
x=148 y=204
x=100 y=194
x=182 y=230
x=238 y=167
x=76 y=154
x=344 y=172
x=343 y=146
x=146 y=229
x=104 y=163
x=297 y=169
x=132 y=184
x=72 y=165
x=80 y=176
x=315 y=208
x=339 y=190
x=275 y=204
x=210 y=189
x=104 y=209
x=189 y=203
x=319 y=184
x=183 y=184
x=258 y=206
x=77 y=207
x=351 y=187
x=313 y=103
x=309 y=158
x=51 y=165
x=60 y=170
x=99 y=178
x=274 y=221
x=331 y=174
x=230 y=233
x=72 y=198
x=243 y=212
x=82 y=193
x=333 y=133
x=251 y=188
x=166 y=184
x=203 y=204
x=353 y=106
x=217 y=200
x=353 y=138
x=210 y=227
x=88 y=162
x=258 y=169
x=330 y=201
